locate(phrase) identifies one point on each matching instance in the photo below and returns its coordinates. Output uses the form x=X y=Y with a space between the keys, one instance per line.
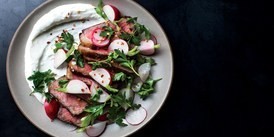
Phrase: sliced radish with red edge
x=77 y=87
x=96 y=129
x=102 y=76
x=96 y=34
x=112 y=12
x=51 y=108
x=120 y=45
x=147 y=47
x=136 y=116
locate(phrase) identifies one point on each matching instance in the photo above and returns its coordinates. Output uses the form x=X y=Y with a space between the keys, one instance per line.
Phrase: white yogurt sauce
x=39 y=53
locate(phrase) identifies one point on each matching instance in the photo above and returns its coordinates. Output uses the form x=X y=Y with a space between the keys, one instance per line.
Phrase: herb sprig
x=40 y=81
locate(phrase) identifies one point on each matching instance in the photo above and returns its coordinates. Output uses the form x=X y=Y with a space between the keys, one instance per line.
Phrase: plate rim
x=11 y=46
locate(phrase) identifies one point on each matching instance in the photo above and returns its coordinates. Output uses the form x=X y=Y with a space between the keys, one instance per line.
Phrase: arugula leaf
x=79 y=58
x=120 y=76
x=99 y=10
x=40 y=81
x=96 y=96
x=147 y=88
x=141 y=60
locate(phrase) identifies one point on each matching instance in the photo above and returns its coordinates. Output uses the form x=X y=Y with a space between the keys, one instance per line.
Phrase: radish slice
x=100 y=43
x=101 y=75
x=137 y=116
x=59 y=58
x=137 y=84
x=144 y=71
x=96 y=129
x=112 y=12
x=51 y=108
x=146 y=47
x=96 y=34
x=77 y=87
x=119 y=44
x=94 y=89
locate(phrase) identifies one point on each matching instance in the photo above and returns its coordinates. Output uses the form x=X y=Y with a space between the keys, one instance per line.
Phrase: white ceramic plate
x=34 y=110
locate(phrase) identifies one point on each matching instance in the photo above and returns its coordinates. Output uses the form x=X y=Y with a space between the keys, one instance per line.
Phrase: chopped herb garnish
x=93 y=113
x=40 y=81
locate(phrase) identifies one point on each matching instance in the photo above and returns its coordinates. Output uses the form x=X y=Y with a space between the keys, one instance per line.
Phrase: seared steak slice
x=85 y=36
x=126 y=26
x=78 y=76
x=97 y=54
x=66 y=116
x=73 y=103
x=75 y=68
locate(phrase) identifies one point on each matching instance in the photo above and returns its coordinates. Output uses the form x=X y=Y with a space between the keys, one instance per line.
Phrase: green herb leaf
x=79 y=58
x=94 y=112
x=120 y=76
x=40 y=81
x=68 y=39
x=117 y=114
x=147 y=88
x=107 y=32
x=99 y=10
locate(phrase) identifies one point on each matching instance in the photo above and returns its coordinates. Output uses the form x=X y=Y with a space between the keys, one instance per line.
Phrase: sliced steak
x=75 y=68
x=66 y=116
x=73 y=103
x=126 y=26
x=97 y=54
x=70 y=75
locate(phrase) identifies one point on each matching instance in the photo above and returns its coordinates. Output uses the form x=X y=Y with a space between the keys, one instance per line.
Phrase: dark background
x=223 y=79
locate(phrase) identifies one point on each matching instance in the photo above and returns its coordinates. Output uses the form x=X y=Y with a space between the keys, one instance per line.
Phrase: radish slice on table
x=147 y=47
x=120 y=45
x=102 y=76
x=96 y=129
x=104 y=96
x=144 y=71
x=59 y=57
x=77 y=87
x=112 y=12
x=51 y=108
x=137 y=116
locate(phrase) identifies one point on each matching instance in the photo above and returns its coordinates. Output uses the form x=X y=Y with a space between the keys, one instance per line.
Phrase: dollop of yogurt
x=39 y=55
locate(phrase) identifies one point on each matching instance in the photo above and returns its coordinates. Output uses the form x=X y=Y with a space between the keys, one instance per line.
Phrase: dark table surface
x=223 y=82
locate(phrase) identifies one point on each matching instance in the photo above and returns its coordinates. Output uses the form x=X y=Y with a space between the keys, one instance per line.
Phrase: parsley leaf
x=122 y=59
x=147 y=88
x=79 y=58
x=117 y=114
x=120 y=76
x=40 y=81
x=66 y=41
